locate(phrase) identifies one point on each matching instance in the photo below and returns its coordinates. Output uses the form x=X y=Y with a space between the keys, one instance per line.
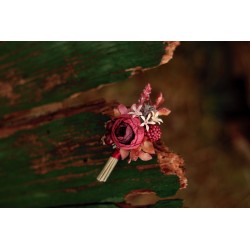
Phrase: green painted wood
x=43 y=72
x=174 y=203
x=55 y=162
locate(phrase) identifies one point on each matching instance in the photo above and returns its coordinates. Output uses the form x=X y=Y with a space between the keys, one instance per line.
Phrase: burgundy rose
x=126 y=132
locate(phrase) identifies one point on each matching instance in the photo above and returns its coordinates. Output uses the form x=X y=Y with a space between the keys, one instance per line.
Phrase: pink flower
x=145 y=95
x=126 y=132
x=135 y=111
x=143 y=152
x=120 y=110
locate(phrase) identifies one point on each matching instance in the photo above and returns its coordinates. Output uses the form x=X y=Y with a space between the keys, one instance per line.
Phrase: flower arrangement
x=132 y=131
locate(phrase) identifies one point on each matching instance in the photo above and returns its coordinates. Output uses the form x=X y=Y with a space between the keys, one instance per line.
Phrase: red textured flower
x=154 y=133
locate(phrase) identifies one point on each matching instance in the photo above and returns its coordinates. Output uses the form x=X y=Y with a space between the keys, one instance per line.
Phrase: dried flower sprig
x=133 y=130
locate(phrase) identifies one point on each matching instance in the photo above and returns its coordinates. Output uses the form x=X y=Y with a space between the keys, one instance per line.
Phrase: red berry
x=154 y=133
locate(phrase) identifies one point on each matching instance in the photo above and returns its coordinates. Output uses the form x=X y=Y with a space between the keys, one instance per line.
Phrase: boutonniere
x=132 y=131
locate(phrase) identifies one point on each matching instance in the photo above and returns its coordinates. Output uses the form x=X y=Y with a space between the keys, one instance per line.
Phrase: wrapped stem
x=109 y=166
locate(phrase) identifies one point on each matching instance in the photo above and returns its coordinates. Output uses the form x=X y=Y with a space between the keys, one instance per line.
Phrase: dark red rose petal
x=126 y=132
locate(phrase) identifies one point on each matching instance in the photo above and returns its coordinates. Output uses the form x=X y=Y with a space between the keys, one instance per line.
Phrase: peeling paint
x=170 y=163
x=56 y=79
x=29 y=119
x=169 y=51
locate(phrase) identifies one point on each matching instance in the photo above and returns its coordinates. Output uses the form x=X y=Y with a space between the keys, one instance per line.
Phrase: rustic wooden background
x=51 y=123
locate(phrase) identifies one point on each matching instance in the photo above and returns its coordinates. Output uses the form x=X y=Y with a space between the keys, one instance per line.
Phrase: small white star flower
x=146 y=122
x=136 y=111
x=155 y=117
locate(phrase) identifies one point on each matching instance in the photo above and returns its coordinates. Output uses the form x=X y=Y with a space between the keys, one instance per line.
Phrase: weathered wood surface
x=50 y=130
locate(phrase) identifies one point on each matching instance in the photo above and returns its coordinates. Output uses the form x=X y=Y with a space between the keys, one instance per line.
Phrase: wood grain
x=51 y=125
